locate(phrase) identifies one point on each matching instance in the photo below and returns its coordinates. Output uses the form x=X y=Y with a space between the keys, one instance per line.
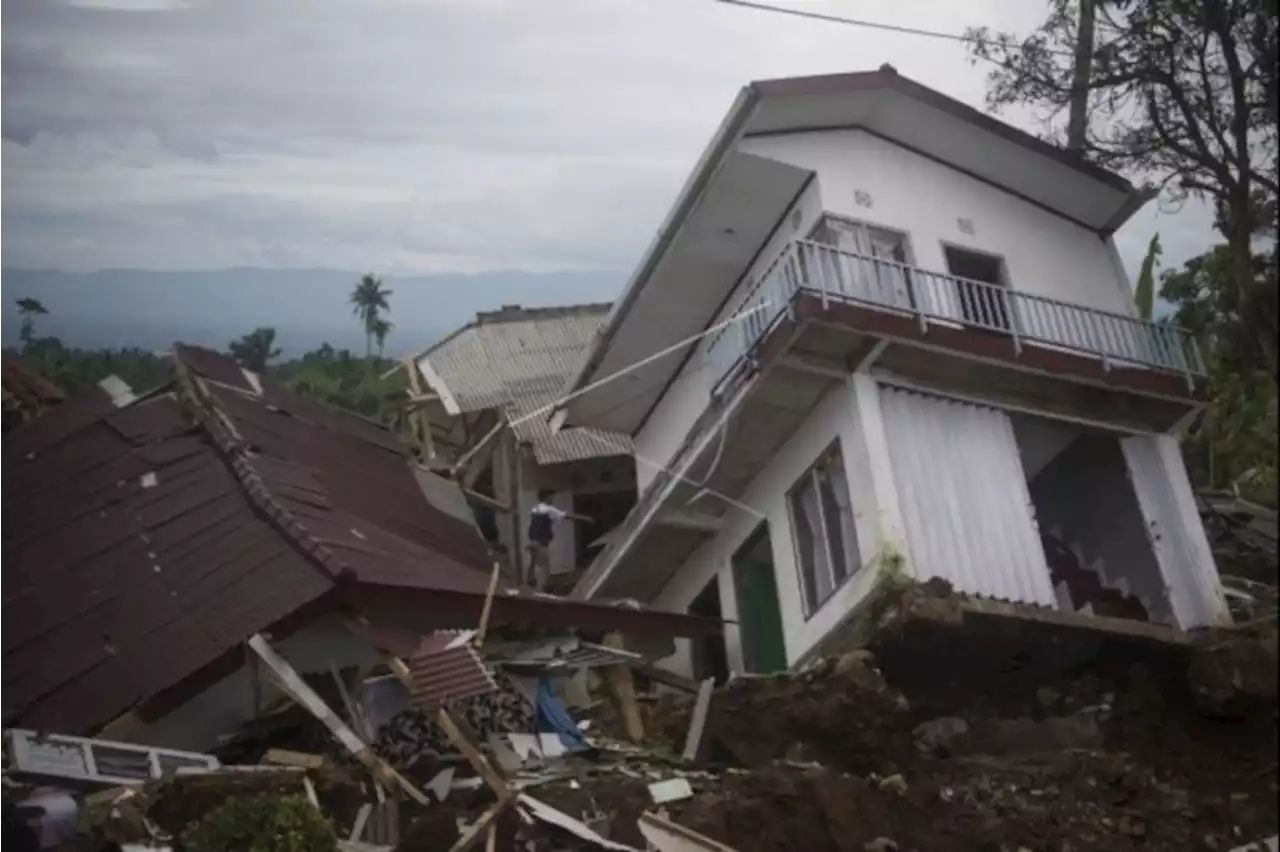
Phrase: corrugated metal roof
x=441 y=674
x=517 y=360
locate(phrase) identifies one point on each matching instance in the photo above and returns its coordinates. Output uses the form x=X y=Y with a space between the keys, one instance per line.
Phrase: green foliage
x=29 y=309
x=1145 y=291
x=339 y=378
x=263 y=823
x=1235 y=443
x=77 y=370
x=255 y=349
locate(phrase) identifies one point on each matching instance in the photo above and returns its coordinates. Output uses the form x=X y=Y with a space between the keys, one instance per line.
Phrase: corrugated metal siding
x=521 y=364
x=968 y=513
x=1177 y=533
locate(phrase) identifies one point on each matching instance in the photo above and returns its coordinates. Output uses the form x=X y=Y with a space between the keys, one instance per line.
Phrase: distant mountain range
x=307 y=307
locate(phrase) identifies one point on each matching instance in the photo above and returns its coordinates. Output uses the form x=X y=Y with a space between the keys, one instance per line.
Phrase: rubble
x=1158 y=747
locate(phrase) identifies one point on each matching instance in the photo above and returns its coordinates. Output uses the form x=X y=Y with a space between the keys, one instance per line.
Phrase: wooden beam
x=699 y=721
x=488 y=603
x=623 y=688
x=470 y=750
x=514 y=485
x=301 y=692
x=486 y=500
x=473 y=832
x=481 y=446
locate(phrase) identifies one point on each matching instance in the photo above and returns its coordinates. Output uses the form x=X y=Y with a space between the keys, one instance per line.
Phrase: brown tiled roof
x=153 y=539
x=26 y=390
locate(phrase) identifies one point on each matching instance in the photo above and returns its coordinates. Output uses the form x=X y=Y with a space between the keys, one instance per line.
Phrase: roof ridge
x=235 y=453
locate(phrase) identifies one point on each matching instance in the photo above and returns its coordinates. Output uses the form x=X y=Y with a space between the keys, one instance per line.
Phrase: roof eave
x=706 y=168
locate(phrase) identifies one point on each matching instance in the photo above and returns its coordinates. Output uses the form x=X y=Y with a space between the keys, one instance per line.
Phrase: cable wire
x=855 y=22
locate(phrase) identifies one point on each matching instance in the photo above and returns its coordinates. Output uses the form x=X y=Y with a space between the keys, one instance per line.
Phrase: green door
x=759 y=617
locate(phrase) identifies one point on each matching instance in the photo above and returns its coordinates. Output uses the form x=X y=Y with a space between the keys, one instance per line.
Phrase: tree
x=1180 y=91
x=254 y=350
x=1145 y=290
x=368 y=300
x=1234 y=444
x=29 y=309
x=381 y=328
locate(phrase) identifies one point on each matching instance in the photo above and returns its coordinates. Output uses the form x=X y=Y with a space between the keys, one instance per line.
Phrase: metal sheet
x=1176 y=531
x=517 y=361
x=964 y=497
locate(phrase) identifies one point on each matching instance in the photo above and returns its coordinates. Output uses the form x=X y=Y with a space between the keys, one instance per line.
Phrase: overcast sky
x=414 y=135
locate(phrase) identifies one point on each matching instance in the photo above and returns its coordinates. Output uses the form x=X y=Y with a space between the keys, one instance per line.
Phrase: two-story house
x=882 y=331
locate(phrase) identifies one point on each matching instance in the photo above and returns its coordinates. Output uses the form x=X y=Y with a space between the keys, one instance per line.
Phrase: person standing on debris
x=542 y=520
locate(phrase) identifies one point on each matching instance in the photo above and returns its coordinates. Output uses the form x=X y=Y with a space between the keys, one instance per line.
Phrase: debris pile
x=1156 y=748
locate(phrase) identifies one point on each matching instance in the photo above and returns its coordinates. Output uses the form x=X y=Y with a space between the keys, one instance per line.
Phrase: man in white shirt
x=542 y=519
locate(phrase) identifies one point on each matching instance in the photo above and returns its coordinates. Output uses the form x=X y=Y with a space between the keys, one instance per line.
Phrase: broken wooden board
x=698 y=723
x=302 y=692
x=664 y=835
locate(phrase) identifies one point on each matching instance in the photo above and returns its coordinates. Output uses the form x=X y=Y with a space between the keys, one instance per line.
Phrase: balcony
x=812 y=287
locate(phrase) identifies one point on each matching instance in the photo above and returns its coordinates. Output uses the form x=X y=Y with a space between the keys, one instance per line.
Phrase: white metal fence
x=937 y=299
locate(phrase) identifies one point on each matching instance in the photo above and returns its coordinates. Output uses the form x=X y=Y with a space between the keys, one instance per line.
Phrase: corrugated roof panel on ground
x=441 y=674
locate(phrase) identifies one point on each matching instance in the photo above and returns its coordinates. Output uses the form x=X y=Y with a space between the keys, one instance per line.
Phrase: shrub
x=262 y=823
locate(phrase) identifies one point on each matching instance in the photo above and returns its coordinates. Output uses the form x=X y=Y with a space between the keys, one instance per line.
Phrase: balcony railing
x=935 y=299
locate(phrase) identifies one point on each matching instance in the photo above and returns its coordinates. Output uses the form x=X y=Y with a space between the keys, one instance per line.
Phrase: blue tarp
x=554 y=718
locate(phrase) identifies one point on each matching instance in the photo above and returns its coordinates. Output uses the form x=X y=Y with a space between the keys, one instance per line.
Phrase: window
x=873 y=263
x=980 y=304
x=822 y=518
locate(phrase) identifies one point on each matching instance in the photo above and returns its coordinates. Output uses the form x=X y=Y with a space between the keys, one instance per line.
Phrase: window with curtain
x=822 y=521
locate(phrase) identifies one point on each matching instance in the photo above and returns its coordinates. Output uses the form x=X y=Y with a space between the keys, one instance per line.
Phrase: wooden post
x=488 y=603
x=514 y=484
x=624 y=692
x=418 y=413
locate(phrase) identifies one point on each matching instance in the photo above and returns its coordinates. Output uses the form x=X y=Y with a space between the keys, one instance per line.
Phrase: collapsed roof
x=156 y=534
x=516 y=361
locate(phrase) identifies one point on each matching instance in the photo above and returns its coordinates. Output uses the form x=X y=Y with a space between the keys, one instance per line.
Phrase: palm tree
x=381 y=328
x=30 y=309
x=367 y=300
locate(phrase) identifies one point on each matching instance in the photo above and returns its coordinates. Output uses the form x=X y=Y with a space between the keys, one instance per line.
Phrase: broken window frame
x=817 y=477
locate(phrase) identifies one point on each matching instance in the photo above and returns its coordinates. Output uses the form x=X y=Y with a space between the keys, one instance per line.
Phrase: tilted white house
x=936 y=367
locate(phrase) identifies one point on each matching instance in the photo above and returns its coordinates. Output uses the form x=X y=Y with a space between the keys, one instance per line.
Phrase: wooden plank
x=699 y=721
x=284 y=757
x=488 y=603
x=302 y=692
x=664 y=835
x=623 y=688
x=362 y=817
x=470 y=750
x=481 y=825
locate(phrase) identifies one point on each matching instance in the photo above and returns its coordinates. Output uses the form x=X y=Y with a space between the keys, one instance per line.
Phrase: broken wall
x=1084 y=499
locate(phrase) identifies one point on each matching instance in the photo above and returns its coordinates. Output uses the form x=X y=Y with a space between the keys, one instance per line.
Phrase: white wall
x=690 y=392
x=228 y=705
x=838 y=415
x=1044 y=253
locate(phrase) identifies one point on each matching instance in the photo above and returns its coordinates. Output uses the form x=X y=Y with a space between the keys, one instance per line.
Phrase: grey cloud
x=440 y=134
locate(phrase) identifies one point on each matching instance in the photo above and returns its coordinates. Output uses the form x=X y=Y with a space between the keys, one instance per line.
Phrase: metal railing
x=936 y=299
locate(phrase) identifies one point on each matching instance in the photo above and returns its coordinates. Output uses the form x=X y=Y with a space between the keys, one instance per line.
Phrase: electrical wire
x=855 y=22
